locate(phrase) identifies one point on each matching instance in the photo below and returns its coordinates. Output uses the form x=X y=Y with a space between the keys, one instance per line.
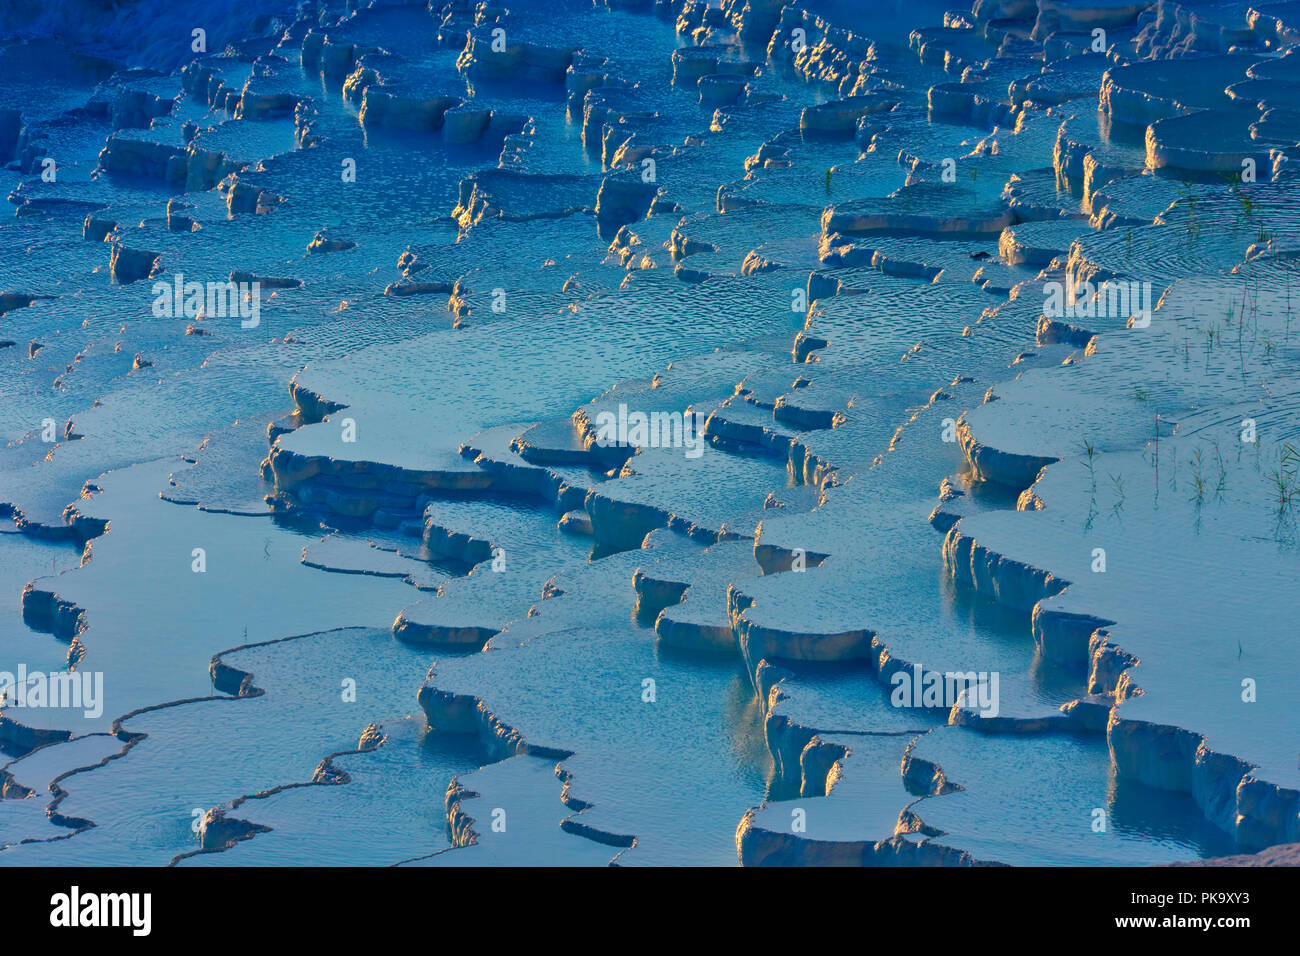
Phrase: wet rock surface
x=653 y=434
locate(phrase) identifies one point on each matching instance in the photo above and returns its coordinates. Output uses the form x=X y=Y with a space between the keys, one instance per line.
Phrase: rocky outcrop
x=127 y=265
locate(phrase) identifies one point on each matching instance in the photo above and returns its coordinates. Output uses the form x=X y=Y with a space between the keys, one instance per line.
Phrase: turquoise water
x=622 y=746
